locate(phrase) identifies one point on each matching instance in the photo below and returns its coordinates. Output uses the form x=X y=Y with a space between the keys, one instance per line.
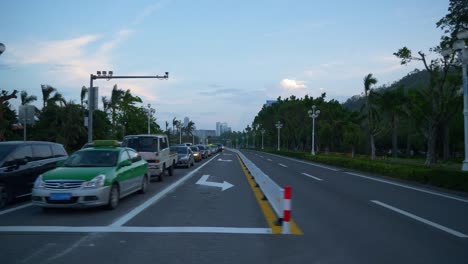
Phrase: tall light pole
x=460 y=46
x=253 y=138
x=91 y=92
x=279 y=126
x=151 y=111
x=313 y=114
x=263 y=132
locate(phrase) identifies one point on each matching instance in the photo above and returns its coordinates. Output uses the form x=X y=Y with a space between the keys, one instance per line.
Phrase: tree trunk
x=446 y=141
x=408 y=145
x=395 y=136
x=352 y=152
x=372 y=142
x=431 y=137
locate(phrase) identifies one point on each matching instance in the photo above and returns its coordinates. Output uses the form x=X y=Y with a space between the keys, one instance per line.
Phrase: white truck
x=155 y=150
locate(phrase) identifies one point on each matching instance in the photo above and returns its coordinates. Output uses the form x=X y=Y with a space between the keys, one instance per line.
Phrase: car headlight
x=39 y=183
x=97 y=181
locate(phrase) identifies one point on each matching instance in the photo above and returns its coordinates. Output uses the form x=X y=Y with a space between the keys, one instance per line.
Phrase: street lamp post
x=150 y=112
x=279 y=126
x=460 y=46
x=91 y=93
x=313 y=114
x=263 y=132
x=253 y=138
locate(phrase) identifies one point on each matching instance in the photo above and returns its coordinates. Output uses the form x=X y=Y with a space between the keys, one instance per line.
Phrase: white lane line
x=269 y=159
x=15 y=208
x=422 y=220
x=282 y=165
x=124 y=219
x=305 y=162
x=262 y=157
x=409 y=187
x=313 y=177
x=137 y=229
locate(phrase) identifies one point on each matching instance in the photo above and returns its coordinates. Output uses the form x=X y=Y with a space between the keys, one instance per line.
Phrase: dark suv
x=20 y=164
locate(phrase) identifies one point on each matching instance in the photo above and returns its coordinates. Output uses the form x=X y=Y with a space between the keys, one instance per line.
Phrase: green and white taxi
x=95 y=176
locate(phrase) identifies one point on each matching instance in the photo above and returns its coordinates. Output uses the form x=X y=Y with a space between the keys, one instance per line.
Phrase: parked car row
x=99 y=174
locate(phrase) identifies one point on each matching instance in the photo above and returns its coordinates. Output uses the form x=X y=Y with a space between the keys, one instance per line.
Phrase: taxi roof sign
x=106 y=143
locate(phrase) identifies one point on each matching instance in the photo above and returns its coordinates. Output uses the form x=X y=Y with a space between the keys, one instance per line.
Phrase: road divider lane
x=282 y=165
x=313 y=177
x=409 y=187
x=420 y=219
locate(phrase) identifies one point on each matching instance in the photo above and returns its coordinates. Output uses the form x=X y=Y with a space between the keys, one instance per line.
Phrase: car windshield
x=195 y=149
x=93 y=158
x=5 y=150
x=142 y=144
x=180 y=150
x=201 y=147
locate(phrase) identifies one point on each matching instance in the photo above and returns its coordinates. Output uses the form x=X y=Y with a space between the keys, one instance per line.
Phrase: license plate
x=60 y=196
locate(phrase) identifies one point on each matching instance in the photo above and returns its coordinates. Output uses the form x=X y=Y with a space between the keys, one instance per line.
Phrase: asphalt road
x=345 y=218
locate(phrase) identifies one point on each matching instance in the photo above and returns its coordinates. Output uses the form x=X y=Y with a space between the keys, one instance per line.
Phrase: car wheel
x=113 y=197
x=144 y=185
x=171 y=170
x=4 y=196
x=193 y=162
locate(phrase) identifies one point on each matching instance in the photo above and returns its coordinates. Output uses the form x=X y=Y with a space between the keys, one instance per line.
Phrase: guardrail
x=272 y=191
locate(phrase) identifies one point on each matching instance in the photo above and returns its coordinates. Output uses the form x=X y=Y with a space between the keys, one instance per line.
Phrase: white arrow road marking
x=282 y=165
x=313 y=177
x=224 y=160
x=224 y=185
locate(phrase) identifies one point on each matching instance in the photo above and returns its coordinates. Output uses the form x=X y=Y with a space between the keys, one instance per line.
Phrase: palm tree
x=115 y=101
x=47 y=90
x=26 y=99
x=106 y=104
x=370 y=80
x=57 y=98
x=189 y=128
x=84 y=92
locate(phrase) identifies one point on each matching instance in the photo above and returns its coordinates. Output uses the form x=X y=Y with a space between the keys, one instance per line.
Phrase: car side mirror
x=125 y=163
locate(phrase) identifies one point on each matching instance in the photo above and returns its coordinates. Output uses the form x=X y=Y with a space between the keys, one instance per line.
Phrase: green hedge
x=440 y=177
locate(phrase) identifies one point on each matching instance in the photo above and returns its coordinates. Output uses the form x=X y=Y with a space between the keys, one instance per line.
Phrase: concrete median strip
x=422 y=220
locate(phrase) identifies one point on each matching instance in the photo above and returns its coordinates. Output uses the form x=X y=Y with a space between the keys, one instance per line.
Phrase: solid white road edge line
x=313 y=177
x=417 y=218
x=282 y=165
x=124 y=219
x=137 y=229
x=409 y=187
x=15 y=208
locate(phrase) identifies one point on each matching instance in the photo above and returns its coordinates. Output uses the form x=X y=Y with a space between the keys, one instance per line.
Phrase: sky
x=225 y=58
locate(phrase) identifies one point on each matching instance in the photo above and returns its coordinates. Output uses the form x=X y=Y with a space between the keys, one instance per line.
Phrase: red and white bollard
x=287 y=210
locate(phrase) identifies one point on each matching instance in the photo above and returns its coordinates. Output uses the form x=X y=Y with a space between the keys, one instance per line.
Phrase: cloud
x=292 y=84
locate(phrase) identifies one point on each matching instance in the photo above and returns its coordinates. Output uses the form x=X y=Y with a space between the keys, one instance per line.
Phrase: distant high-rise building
x=186 y=121
x=222 y=128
